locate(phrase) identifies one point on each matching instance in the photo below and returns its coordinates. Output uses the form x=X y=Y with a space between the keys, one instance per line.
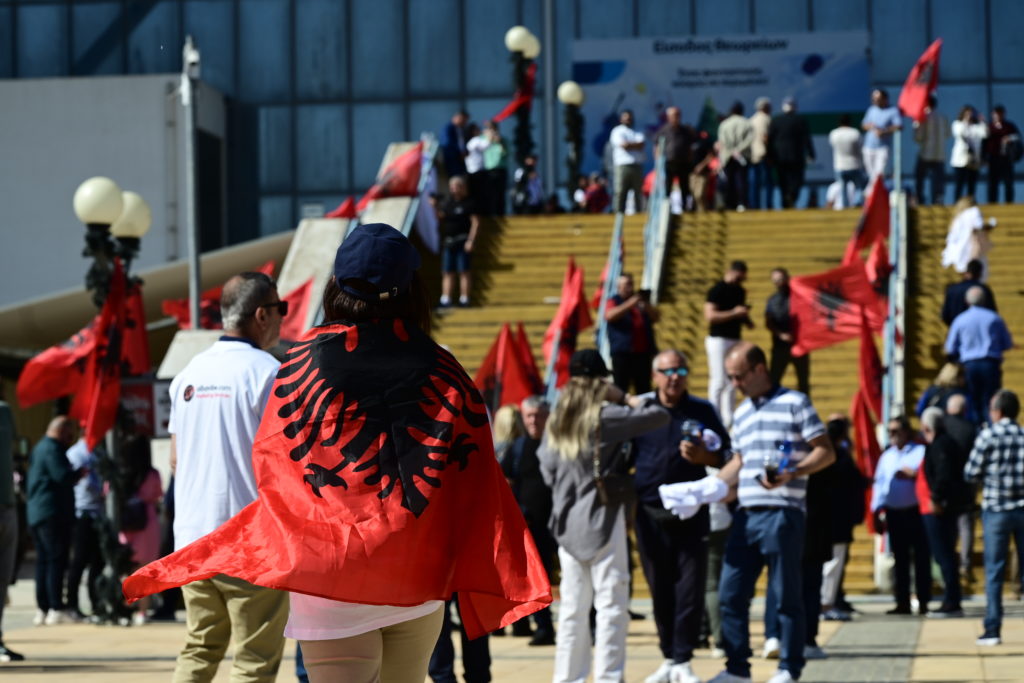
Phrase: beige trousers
x=393 y=654
x=223 y=607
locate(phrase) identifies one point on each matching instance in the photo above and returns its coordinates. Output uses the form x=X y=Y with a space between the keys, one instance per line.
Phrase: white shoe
x=772 y=646
x=139 y=619
x=814 y=652
x=726 y=677
x=662 y=673
x=39 y=619
x=782 y=676
x=683 y=673
x=54 y=617
x=717 y=653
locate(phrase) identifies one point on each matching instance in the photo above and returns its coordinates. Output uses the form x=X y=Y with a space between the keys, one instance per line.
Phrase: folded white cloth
x=685 y=498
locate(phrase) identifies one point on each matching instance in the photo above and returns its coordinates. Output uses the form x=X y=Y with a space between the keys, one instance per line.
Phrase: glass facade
x=317 y=88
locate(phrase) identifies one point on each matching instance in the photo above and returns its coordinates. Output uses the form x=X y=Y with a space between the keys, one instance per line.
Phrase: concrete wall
x=56 y=133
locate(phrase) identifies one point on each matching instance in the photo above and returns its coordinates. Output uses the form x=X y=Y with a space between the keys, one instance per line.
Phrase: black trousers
x=791 y=181
x=1000 y=172
x=782 y=355
x=632 y=368
x=85 y=554
x=965 y=180
x=736 y=183
x=908 y=538
x=53 y=545
x=674 y=555
x=476 y=654
x=677 y=170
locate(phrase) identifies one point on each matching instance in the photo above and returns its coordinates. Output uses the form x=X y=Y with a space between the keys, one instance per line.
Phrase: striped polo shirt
x=759 y=426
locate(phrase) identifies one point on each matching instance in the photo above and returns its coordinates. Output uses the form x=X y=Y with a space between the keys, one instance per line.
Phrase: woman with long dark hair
x=585 y=458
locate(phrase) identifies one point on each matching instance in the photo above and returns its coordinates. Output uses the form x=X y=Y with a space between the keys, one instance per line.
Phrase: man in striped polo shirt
x=779 y=427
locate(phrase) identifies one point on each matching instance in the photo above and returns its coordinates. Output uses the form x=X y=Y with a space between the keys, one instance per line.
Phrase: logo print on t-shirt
x=190 y=391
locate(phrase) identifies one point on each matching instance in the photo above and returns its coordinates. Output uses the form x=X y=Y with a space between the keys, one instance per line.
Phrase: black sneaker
x=946 y=612
x=900 y=610
x=8 y=655
x=542 y=638
x=989 y=639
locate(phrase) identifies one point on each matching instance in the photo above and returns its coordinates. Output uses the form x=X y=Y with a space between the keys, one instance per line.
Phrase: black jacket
x=789 y=140
x=944 y=470
x=954 y=303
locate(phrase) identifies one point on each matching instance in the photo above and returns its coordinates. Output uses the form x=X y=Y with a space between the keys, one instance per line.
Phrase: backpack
x=134 y=514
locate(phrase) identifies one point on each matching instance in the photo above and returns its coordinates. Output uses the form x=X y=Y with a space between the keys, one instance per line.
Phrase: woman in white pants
x=584 y=458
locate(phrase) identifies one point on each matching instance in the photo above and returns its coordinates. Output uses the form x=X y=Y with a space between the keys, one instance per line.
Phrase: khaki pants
x=223 y=607
x=393 y=654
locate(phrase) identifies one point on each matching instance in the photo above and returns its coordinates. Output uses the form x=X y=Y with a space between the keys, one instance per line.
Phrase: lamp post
x=109 y=212
x=571 y=95
x=525 y=47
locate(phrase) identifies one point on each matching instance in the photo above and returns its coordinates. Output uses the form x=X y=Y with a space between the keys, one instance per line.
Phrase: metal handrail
x=656 y=228
x=614 y=271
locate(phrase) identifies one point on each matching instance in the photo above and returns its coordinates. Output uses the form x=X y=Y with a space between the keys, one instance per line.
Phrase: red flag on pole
x=135 y=348
x=873 y=224
x=400 y=179
x=871 y=369
x=526 y=354
x=503 y=378
x=921 y=82
x=572 y=316
x=294 y=324
x=867 y=448
x=523 y=96
x=58 y=370
x=347 y=209
x=826 y=308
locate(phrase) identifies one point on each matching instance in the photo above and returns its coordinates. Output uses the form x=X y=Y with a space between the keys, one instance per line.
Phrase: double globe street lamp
x=525 y=47
x=571 y=95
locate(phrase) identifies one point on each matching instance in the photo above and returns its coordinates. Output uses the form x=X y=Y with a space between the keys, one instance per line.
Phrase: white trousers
x=720 y=392
x=875 y=161
x=604 y=581
x=831 y=573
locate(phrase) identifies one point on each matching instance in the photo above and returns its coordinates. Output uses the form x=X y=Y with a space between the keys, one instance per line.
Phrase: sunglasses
x=674 y=372
x=281 y=306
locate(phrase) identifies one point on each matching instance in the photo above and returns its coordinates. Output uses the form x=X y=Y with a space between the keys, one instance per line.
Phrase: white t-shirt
x=313 y=618
x=216 y=405
x=622 y=134
x=845 y=142
x=475 y=153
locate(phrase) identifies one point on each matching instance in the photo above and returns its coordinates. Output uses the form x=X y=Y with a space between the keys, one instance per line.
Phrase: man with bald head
x=778 y=441
x=51 y=515
x=674 y=551
x=216 y=405
x=977 y=340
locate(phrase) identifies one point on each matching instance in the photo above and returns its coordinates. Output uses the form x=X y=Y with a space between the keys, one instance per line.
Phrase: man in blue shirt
x=674 y=551
x=894 y=508
x=977 y=339
x=880 y=122
x=85 y=540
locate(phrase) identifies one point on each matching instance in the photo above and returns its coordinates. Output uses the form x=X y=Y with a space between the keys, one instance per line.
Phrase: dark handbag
x=613 y=482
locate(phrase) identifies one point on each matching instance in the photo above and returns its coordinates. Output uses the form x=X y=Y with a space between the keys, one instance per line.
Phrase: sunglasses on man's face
x=281 y=306
x=674 y=372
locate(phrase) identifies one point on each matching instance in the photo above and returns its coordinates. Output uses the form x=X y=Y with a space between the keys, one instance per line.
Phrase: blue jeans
x=942 y=533
x=812 y=605
x=53 y=546
x=761 y=185
x=998 y=527
x=476 y=654
x=984 y=378
x=772 y=537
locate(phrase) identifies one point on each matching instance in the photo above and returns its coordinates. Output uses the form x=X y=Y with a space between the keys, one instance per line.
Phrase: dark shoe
x=542 y=638
x=7 y=655
x=900 y=610
x=922 y=610
x=989 y=639
x=521 y=631
x=636 y=616
x=946 y=612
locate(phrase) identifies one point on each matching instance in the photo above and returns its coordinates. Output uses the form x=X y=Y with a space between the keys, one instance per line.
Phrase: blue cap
x=380 y=255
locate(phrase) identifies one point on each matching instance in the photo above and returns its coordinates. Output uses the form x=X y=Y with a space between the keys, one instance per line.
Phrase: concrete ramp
x=311 y=255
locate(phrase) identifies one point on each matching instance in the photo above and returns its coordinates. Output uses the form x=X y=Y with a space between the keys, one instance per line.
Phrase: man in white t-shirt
x=846 y=160
x=628 y=158
x=217 y=402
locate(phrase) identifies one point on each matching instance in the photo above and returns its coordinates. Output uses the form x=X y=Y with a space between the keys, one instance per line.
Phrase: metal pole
x=189 y=94
x=550 y=155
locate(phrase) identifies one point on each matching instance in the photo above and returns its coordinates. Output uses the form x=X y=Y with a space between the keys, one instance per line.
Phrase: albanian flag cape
x=377 y=485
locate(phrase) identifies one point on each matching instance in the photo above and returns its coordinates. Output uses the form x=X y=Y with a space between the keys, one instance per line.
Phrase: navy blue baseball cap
x=587 y=363
x=379 y=255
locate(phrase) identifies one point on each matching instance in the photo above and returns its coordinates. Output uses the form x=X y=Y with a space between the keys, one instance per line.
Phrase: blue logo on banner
x=597 y=72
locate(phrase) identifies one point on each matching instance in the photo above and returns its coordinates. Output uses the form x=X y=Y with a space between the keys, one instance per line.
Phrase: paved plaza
x=873 y=647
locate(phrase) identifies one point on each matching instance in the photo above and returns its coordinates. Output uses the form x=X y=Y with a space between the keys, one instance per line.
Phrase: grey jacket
x=579 y=521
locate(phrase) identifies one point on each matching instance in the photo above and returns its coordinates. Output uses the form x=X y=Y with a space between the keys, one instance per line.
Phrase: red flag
x=878 y=270
x=135 y=348
x=874 y=222
x=523 y=96
x=871 y=369
x=526 y=355
x=209 y=305
x=826 y=308
x=347 y=209
x=392 y=495
x=100 y=390
x=572 y=316
x=921 y=82
x=503 y=378
x=400 y=179
x=867 y=449
x=58 y=370
x=294 y=324
x=648 y=185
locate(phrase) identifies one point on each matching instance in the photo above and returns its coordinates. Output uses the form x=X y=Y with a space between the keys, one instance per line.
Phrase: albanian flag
x=921 y=82
x=504 y=377
x=347 y=209
x=377 y=484
x=871 y=369
x=826 y=308
x=571 y=317
x=874 y=222
x=525 y=352
x=868 y=451
x=523 y=96
x=401 y=178
x=294 y=324
x=58 y=370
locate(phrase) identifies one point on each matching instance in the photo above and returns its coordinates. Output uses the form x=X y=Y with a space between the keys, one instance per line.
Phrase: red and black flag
x=867 y=448
x=871 y=369
x=572 y=316
x=874 y=222
x=401 y=178
x=826 y=308
x=921 y=82
x=294 y=324
x=523 y=96
x=529 y=362
x=377 y=484
x=58 y=370
x=504 y=377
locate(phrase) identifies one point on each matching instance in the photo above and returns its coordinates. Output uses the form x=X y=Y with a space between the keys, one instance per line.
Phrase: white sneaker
x=683 y=673
x=39 y=619
x=139 y=619
x=662 y=673
x=772 y=646
x=717 y=653
x=54 y=617
x=814 y=652
x=782 y=676
x=726 y=677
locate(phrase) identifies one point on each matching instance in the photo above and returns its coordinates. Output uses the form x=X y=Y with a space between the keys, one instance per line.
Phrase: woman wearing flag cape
x=379 y=494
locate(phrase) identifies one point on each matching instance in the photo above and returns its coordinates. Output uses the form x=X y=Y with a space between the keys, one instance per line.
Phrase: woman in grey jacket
x=584 y=458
